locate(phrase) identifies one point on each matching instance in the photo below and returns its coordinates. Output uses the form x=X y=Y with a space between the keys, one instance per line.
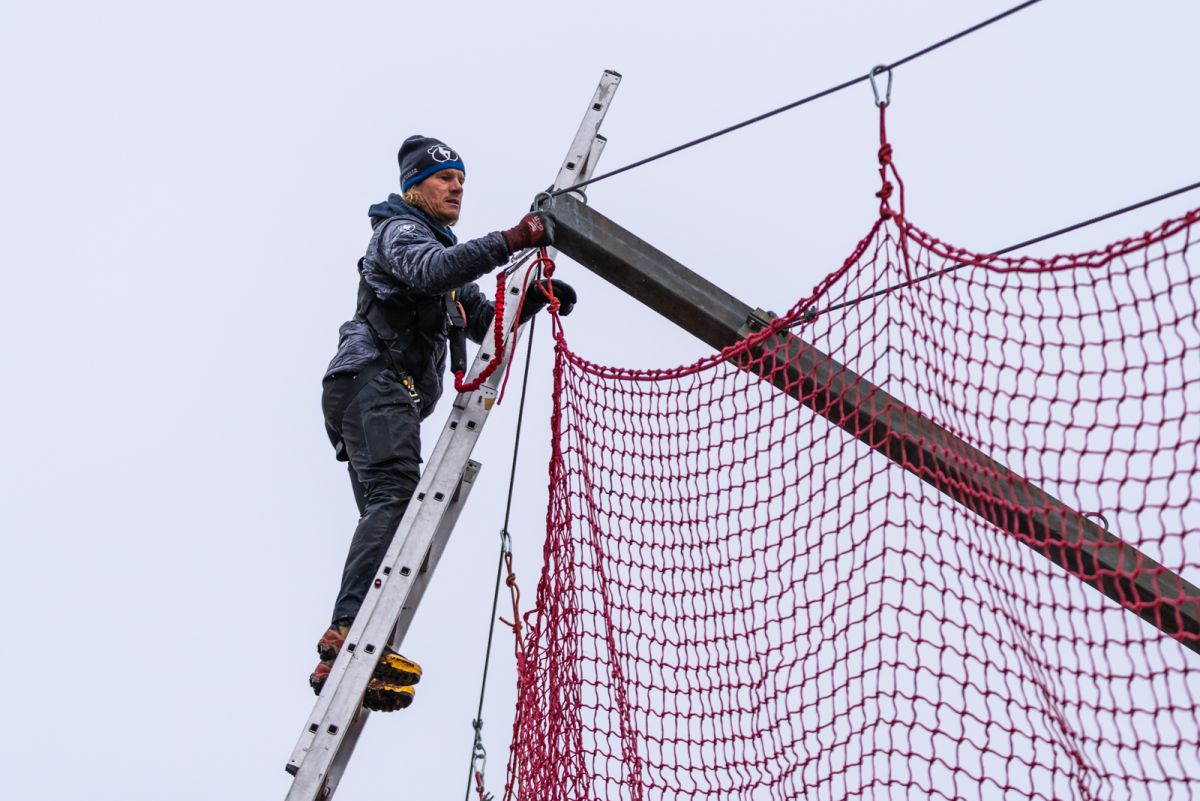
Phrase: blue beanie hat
x=422 y=156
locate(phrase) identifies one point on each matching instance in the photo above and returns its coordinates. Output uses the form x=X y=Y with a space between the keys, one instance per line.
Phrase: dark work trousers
x=381 y=433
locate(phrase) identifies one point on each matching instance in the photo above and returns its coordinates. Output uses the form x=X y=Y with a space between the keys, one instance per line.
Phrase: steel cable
x=797 y=103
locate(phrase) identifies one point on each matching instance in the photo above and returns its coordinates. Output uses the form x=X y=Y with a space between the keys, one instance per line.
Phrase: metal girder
x=899 y=432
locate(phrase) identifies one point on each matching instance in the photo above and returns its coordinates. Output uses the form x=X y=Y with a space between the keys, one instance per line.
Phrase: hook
x=887 y=96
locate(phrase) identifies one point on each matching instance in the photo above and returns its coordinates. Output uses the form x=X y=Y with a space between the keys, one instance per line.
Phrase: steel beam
x=884 y=423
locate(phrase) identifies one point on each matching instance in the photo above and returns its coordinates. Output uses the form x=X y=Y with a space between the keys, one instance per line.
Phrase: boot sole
x=384 y=697
x=395 y=669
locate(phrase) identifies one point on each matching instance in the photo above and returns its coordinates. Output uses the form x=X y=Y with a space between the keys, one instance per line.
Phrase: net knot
x=883 y=194
x=546 y=263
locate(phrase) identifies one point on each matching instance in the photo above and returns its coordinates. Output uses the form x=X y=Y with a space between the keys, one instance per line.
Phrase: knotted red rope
x=499 y=339
x=886 y=211
x=886 y=164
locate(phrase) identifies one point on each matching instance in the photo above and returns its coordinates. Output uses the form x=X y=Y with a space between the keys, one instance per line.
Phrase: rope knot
x=885 y=191
x=885 y=154
x=546 y=262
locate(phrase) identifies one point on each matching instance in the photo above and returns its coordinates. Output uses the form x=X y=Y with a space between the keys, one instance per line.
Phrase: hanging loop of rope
x=886 y=166
x=514 y=590
x=498 y=332
x=546 y=265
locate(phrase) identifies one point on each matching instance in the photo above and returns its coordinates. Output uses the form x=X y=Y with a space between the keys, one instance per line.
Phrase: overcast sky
x=183 y=190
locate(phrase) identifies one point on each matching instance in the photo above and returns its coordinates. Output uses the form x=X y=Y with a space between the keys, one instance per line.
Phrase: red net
x=741 y=599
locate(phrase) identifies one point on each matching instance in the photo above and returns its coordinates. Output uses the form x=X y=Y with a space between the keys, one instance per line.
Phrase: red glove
x=534 y=230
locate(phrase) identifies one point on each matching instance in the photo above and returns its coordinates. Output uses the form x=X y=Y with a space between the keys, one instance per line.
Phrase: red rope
x=886 y=212
x=500 y=340
x=497 y=357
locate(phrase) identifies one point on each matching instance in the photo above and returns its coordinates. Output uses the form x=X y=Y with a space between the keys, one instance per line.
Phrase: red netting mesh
x=742 y=600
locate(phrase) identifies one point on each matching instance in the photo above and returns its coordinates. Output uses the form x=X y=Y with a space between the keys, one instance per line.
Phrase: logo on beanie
x=441 y=153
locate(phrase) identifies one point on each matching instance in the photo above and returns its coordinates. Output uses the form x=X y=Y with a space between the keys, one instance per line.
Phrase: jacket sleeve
x=480 y=312
x=414 y=259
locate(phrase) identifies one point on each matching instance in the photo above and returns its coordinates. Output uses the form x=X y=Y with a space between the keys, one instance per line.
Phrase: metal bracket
x=756 y=321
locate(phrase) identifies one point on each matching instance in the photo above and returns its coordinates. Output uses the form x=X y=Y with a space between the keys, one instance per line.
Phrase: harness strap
x=456 y=336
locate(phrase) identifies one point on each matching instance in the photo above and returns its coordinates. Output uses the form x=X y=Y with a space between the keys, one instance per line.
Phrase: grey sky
x=183 y=190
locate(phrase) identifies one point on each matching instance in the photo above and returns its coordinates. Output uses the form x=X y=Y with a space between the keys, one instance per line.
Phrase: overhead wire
x=797 y=103
x=505 y=539
x=1035 y=240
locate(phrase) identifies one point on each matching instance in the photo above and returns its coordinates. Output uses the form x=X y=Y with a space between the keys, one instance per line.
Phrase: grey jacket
x=411 y=255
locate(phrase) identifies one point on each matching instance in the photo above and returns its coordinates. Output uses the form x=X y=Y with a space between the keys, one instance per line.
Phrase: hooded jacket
x=413 y=257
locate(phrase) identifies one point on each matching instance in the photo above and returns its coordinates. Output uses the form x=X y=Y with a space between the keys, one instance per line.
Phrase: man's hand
x=536 y=300
x=534 y=230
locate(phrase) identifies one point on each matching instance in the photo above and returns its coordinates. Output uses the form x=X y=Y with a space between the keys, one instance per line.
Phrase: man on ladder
x=416 y=299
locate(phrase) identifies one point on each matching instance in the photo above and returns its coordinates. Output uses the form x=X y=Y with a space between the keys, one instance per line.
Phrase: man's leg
x=380 y=432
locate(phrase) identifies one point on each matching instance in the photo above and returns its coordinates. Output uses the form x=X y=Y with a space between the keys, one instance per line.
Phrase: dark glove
x=536 y=300
x=534 y=230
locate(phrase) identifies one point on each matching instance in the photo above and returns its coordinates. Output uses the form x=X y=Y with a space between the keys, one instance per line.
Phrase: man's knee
x=391 y=487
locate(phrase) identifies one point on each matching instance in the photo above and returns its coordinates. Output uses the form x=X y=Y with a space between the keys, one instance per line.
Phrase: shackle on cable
x=887 y=95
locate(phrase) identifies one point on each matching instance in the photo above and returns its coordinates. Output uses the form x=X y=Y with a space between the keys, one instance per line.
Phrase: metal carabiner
x=1098 y=516
x=887 y=96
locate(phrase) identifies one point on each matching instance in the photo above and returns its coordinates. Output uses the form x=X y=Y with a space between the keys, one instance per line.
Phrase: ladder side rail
x=436 y=549
x=341 y=758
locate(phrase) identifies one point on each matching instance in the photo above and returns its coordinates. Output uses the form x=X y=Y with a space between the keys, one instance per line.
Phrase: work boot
x=316 y=679
x=396 y=669
x=385 y=697
x=332 y=640
x=393 y=670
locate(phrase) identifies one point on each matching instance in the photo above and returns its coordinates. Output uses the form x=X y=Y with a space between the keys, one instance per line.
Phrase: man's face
x=442 y=193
